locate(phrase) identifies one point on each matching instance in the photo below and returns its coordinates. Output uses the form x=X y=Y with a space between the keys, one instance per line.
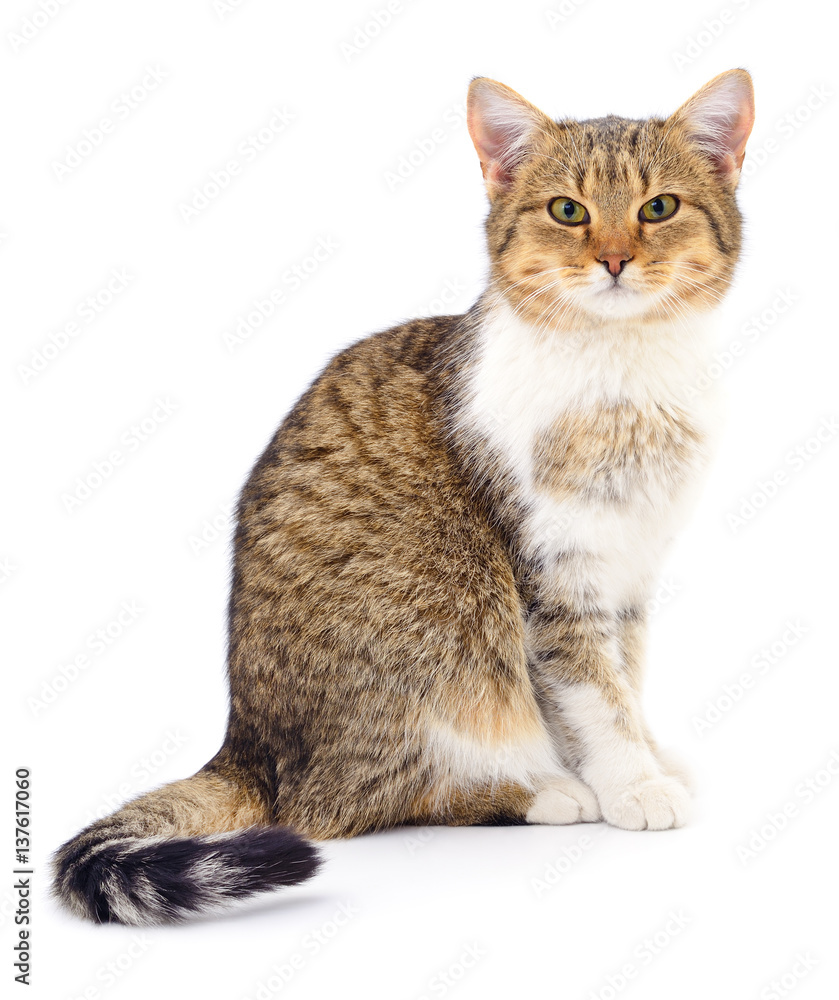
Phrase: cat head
x=612 y=217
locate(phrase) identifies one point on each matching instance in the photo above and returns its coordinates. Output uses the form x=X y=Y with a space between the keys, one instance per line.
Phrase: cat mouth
x=617 y=288
x=618 y=299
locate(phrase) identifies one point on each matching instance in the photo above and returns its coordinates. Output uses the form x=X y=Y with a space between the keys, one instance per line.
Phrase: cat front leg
x=632 y=635
x=564 y=800
x=578 y=658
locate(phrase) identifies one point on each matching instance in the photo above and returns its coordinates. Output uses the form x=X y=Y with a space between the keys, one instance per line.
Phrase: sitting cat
x=442 y=559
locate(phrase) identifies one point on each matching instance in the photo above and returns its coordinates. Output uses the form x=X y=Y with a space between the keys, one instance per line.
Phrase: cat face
x=601 y=220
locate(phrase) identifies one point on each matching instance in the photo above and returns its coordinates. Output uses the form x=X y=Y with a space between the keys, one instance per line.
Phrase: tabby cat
x=442 y=559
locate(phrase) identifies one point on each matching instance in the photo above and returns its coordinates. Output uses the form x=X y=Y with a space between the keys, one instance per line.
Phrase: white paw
x=563 y=801
x=673 y=765
x=655 y=804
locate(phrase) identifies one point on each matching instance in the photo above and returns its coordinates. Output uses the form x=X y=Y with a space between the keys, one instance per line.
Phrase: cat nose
x=614 y=262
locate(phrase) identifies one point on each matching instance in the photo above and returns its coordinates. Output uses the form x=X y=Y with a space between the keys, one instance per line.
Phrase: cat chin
x=619 y=303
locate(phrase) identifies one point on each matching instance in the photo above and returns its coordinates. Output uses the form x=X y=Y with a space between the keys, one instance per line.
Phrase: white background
x=454 y=912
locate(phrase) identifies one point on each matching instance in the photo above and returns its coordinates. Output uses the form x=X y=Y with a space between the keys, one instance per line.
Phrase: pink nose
x=614 y=262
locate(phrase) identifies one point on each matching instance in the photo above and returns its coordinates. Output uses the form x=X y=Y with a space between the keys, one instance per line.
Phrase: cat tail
x=189 y=847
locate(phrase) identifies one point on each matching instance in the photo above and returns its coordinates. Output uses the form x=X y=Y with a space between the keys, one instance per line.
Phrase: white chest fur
x=603 y=442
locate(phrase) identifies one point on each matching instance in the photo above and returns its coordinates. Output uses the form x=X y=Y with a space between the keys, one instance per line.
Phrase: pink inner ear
x=721 y=117
x=499 y=126
x=499 y=144
x=728 y=146
x=495 y=173
x=739 y=136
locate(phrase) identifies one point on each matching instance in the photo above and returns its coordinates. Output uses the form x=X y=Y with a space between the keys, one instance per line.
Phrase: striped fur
x=443 y=556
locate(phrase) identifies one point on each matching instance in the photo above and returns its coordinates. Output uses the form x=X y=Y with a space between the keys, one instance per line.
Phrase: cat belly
x=598 y=558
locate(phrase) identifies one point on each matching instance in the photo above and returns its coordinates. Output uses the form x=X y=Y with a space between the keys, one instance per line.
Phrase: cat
x=443 y=557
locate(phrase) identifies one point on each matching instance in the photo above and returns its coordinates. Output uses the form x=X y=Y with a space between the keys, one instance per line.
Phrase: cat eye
x=661 y=207
x=568 y=212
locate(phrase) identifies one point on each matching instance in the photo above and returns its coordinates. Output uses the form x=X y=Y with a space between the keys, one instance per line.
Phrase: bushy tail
x=188 y=847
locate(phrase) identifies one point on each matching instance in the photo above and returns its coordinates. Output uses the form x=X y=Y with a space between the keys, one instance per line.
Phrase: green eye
x=658 y=208
x=568 y=212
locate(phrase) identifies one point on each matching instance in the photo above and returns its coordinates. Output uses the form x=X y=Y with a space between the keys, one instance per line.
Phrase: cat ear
x=500 y=122
x=719 y=118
